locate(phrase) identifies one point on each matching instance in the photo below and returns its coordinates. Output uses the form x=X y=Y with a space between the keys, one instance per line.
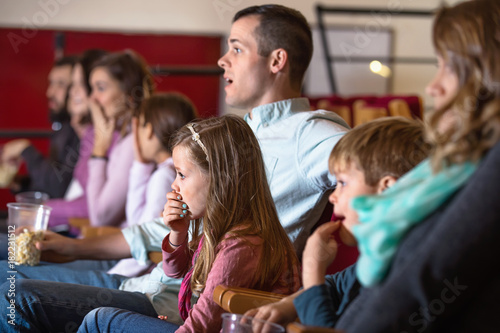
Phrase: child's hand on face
x=175 y=216
x=137 y=145
x=319 y=253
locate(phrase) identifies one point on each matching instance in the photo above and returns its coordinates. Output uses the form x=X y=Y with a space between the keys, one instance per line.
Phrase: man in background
x=51 y=174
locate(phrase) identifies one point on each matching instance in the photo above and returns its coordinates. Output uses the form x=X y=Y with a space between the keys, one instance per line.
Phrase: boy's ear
x=385 y=183
x=279 y=58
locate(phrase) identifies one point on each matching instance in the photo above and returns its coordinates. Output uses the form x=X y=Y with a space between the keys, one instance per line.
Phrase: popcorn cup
x=34 y=197
x=236 y=323
x=28 y=222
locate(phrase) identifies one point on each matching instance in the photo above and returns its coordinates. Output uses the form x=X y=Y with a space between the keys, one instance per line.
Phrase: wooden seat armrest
x=79 y=222
x=87 y=230
x=240 y=300
x=299 y=328
x=155 y=256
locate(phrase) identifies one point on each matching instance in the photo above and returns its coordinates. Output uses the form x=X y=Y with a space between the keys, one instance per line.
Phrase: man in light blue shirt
x=264 y=73
x=264 y=76
x=296 y=145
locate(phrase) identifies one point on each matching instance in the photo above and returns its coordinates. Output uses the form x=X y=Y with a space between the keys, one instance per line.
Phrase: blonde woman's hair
x=238 y=197
x=467 y=37
x=389 y=146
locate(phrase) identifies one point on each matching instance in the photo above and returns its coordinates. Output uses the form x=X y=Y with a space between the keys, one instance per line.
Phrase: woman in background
x=424 y=242
x=119 y=83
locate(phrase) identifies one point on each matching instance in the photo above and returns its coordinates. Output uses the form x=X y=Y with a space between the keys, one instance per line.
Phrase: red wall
x=26 y=58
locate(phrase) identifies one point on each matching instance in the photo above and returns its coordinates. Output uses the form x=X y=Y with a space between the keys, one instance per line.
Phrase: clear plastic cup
x=28 y=222
x=34 y=197
x=236 y=323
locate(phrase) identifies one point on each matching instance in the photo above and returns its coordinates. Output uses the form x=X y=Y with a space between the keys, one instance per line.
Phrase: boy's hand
x=319 y=253
x=282 y=312
x=137 y=146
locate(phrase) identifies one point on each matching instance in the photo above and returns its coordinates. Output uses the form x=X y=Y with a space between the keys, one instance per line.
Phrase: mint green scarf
x=386 y=218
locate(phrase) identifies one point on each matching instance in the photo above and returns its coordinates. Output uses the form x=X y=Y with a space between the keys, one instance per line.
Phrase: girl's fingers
x=174 y=195
x=178 y=212
x=174 y=204
x=175 y=209
x=175 y=199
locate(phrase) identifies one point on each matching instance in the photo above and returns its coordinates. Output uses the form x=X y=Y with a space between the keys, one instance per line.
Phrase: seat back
x=360 y=109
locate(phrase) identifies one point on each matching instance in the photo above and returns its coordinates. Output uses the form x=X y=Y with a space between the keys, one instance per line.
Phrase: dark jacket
x=53 y=174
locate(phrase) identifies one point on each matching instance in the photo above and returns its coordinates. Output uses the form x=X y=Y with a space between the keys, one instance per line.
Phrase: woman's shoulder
x=490 y=163
x=495 y=151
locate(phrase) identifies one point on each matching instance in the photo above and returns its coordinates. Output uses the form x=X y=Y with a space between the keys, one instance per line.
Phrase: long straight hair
x=239 y=201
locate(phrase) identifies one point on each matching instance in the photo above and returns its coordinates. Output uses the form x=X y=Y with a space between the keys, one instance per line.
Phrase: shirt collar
x=268 y=114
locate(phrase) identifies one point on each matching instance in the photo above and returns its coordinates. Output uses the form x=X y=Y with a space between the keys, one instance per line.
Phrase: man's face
x=59 y=81
x=247 y=74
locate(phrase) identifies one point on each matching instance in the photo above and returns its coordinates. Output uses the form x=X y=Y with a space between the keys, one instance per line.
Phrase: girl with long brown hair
x=224 y=228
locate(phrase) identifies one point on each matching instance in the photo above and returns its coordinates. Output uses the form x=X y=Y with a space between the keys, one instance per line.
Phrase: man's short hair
x=66 y=61
x=389 y=146
x=283 y=27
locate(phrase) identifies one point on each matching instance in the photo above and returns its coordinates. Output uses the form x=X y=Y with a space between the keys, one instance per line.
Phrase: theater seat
x=342 y=110
x=239 y=300
x=357 y=110
x=299 y=328
x=363 y=113
x=399 y=107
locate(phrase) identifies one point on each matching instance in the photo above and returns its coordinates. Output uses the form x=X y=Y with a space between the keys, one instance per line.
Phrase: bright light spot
x=375 y=66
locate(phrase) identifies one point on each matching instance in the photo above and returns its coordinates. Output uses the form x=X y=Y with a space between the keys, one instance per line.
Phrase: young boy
x=366 y=161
